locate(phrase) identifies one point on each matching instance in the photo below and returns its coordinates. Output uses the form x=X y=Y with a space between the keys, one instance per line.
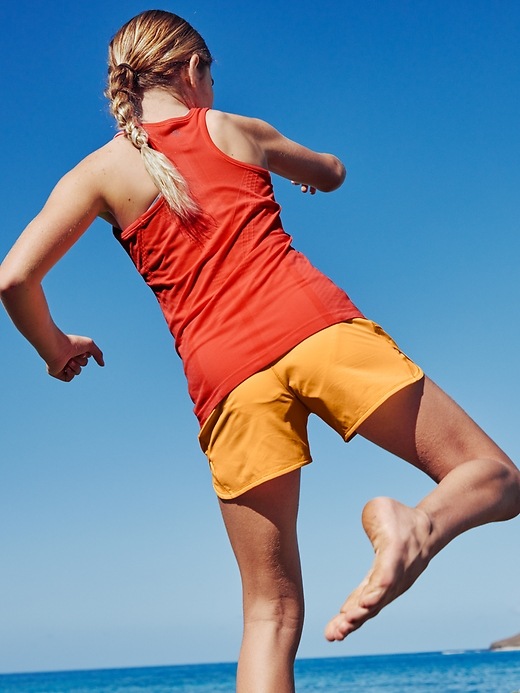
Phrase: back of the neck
x=159 y=104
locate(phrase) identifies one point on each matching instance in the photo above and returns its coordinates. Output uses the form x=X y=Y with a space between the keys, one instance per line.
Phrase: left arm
x=318 y=170
x=302 y=166
x=254 y=141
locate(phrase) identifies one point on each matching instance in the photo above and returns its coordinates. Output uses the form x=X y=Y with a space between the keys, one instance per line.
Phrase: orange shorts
x=342 y=374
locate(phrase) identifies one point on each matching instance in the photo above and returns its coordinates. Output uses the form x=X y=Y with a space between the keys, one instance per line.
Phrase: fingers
x=96 y=352
x=66 y=375
x=74 y=365
x=304 y=187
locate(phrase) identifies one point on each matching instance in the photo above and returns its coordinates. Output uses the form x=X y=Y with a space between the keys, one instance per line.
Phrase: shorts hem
x=415 y=379
x=230 y=495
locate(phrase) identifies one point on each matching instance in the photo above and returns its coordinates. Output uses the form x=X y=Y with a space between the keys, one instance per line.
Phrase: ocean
x=473 y=671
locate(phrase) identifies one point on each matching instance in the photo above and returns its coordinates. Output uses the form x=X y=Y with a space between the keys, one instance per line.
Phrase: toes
x=346 y=622
x=372 y=598
x=337 y=629
x=397 y=534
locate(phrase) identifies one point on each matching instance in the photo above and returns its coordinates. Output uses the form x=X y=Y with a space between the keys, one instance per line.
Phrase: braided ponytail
x=145 y=53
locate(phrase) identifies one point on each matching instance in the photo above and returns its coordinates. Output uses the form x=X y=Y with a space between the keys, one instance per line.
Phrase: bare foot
x=400 y=536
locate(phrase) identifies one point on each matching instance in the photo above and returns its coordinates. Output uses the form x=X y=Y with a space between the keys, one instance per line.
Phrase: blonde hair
x=149 y=51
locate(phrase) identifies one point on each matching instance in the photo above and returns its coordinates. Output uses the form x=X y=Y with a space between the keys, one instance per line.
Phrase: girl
x=264 y=337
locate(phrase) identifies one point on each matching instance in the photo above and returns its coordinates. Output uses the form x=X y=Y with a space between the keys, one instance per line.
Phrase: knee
x=282 y=614
x=516 y=486
x=509 y=477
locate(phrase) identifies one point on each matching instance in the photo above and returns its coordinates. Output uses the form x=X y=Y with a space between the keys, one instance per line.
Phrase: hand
x=76 y=353
x=304 y=187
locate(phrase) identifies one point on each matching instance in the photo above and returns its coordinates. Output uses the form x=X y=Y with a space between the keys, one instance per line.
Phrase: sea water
x=442 y=672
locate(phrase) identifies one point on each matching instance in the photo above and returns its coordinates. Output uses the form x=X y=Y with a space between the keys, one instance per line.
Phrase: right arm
x=69 y=211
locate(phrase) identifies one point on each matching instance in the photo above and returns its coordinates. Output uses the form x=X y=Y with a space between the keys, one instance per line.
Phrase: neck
x=159 y=104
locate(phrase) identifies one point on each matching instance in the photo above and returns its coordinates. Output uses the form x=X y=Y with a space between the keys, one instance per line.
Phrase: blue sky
x=113 y=551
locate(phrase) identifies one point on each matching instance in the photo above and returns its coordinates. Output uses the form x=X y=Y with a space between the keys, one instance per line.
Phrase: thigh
x=346 y=371
x=261 y=525
x=425 y=427
x=257 y=432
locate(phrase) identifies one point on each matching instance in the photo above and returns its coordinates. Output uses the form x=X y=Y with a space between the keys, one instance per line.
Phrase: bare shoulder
x=83 y=182
x=233 y=119
x=247 y=125
x=237 y=136
x=115 y=154
x=118 y=172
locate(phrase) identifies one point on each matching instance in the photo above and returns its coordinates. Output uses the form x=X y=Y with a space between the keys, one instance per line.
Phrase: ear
x=193 y=72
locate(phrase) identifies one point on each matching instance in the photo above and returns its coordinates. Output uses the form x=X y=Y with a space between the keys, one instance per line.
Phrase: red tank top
x=234 y=292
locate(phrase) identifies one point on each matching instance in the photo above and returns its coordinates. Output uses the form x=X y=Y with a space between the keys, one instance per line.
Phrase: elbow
x=337 y=175
x=5 y=283
x=9 y=283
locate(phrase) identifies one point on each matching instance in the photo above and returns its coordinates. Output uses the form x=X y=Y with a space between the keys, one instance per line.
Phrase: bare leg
x=261 y=525
x=477 y=483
